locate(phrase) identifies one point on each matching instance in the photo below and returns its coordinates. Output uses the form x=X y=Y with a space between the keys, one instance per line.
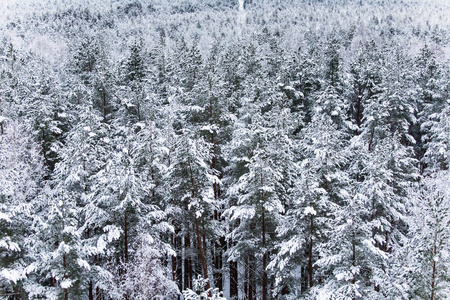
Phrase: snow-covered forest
x=285 y=149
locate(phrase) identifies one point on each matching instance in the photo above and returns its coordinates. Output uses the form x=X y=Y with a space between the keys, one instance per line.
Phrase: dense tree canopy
x=255 y=149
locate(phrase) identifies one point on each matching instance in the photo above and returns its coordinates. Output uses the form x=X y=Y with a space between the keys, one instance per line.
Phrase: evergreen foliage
x=212 y=149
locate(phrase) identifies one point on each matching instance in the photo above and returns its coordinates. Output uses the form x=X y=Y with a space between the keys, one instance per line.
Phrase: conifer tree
x=22 y=169
x=428 y=261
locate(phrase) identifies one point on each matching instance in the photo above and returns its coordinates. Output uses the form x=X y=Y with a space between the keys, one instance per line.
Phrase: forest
x=224 y=149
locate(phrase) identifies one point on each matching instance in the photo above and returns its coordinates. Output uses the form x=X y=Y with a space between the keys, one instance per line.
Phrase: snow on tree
x=200 y=292
x=272 y=147
x=318 y=190
x=428 y=260
x=22 y=169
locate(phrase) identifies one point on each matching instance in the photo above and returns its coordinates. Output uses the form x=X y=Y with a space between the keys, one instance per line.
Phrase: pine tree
x=259 y=183
x=22 y=170
x=134 y=74
x=428 y=261
x=437 y=155
x=193 y=192
x=319 y=190
x=86 y=58
x=382 y=168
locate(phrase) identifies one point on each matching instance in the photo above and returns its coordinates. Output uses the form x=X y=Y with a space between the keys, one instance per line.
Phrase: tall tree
x=428 y=262
x=22 y=170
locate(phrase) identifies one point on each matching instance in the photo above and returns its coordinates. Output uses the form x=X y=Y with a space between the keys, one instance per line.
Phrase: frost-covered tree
x=146 y=275
x=382 y=168
x=318 y=190
x=134 y=71
x=21 y=173
x=428 y=245
x=261 y=175
x=437 y=155
x=193 y=194
x=199 y=291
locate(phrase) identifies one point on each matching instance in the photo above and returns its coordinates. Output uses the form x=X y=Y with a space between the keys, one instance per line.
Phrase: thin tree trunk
x=188 y=262
x=264 y=277
x=218 y=265
x=217 y=255
x=358 y=108
x=183 y=262
x=66 y=292
x=233 y=279
x=209 y=262
x=44 y=148
x=386 y=242
x=1 y=123
x=91 y=291
x=174 y=258
x=310 y=255
x=98 y=294
x=126 y=237
x=354 y=260
x=250 y=280
x=16 y=293
x=104 y=104
x=372 y=133
x=139 y=110
x=199 y=236
x=223 y=273
x=152 y=170
x=202 y=254
x=247 y=278
x=433 y=274
x=126 y=247
x=264 y=258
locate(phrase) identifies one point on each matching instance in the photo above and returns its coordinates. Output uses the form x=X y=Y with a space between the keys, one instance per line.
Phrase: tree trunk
x=233 y=279
x=104 y=104
x=1 y=123
x=91 y=291
x=246 y=278
x=250 y=279
x=66 y=293
x=16 y=293
x=98 y=294
x=433 y=274
x=372 y=133
x=183 y=262
x=264 y=258
x=174 y=259
x=217 y=255
x=310 y=256
x=202 y=253
x=187 y=263
x=358 y=108
x=221 y=263
x=354 y=259
x=209 y=262
x=199 y=236
x=139 y=109
x=264 y=263
x=125 y=233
